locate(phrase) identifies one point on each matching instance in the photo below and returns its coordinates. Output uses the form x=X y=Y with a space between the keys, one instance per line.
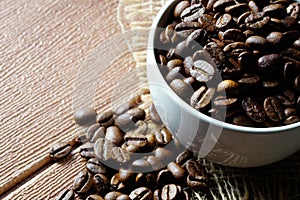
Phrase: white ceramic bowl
x=217 y=141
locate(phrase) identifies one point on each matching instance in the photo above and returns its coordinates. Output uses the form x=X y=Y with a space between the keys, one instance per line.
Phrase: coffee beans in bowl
x=224 y=73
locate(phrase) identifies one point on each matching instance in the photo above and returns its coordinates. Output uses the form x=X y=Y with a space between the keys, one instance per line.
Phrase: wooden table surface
x=43 y=46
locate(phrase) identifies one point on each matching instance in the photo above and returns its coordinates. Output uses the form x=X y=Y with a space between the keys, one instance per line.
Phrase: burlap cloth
x=277 y=181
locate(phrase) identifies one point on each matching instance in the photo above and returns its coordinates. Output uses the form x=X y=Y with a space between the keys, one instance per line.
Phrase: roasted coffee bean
x=164 y=177
x=120 y=155
x=123 y=197
x=289 y=74
x=184 y=157
x=234 y=35
x=145 y=180
x=99 y=133
x=297 y=84
x=141 y=127
x=116 y=183
x=275 y=38
x=81 y=138
x=103 y=149
x=256 y=21
x=91 y=131
x=181 y=6
x=224 y=21
x=242 y=120
x=229 y=86
x=66 y=195
x=220 y=5
x=253 y=7
x=294 y=10
x=256 y=42
x=196 y=184
x=156 y=194
x=60 y=150
x=142 y=193
x=247 y=61
x=216 y=53
x=290 y=36
x=114 y=134
x=228 y=49
x=186 y=26
x=106 y=118
x=241 y=19
x=291 y=120
x=195 y=39
x=94 y=197
x=202 y=97
x=83 y=182
x=174 y=73
x=87 y=150
x=196 y=170
x=270 y=63
x=192 y=13
x=139 y=140
x=223 y=102
x=207 y=22
x=101 y=183
x=254 y=109
x=290 y=111
x=154 y=115
x=127 y=120
x=163 y=136
x=112 y=195
x=180 y=88
x=125 y=175
x=290 y=52
x=169 y=192
x=237 y=9
x=177 y=171
x=85 y=116
x=249 y=80
x=296 y=45
x=141 y=164
x=202 y=71
x=155 y=163
x=122 y=108
x=274 y=10
x=94 y=166
x=273 y=109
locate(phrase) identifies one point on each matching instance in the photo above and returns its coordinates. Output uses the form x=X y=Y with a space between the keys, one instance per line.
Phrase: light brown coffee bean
x=60 y=150
x=142 y=193
x=66 y=195
x=103 y=149
x=115 y=135
x=231 y=87
x=85 y=116
x=177 y=171
x=181 y=6
x=163 y=136
x=106 y=118
x=83 y=182
x=94 y=166
x=180 y=88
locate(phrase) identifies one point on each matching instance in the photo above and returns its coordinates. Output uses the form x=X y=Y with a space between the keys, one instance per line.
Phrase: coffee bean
x=87 y=150
x=101 y=183
x=116 y=183
x=174 y=73
x=155 y=163
x=296 y=45
x=297 y=84
x=186 y=26
x=91 y=131
x=229 y=86
x=94 y=166
x=273 y=109
x=66 y=195
x=294 y=10
x=177 y=171
x=120 y=155
x=220 y=5
x=181 y=6
x=202 y=71
x=180 y=88
x=271 y=85
x=83 y=182
x=141 y=128
x=103 y=149
x=156 y=194
x=112 y=195
x=195 y=170
x=234 y=35
x=196 y=184
x=242 y=120
x=85 y=116
x=270 y=63
x=142 y=193
x=237 y=9
x=60 y=150
x=292 y=119
x=114 y=134
x=174 y=63
x=123 y=197
x=139 y=140
x=106 y=118
x=249 y=80
x=224 y=21
x=275 y=38
x=127 y=120
x=254 y=109
x=192 y=13
x=163 y=136
x=289 y=74
x=216 y=53
x=164 y=177
x=169 y=192
x=94 y=197
x=253 y=7
x=256 y=42
x=154 y=115
x=183 y=157
x=290 y=111
x=257 y=21
x=274 y=10
x=290 y=52
x=223 y=102
x=145 y=180
x=207 y=22
x=241 y=19
x=202 y=97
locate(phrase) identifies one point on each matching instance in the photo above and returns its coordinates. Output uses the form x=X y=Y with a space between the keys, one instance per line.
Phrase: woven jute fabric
x=280 y=180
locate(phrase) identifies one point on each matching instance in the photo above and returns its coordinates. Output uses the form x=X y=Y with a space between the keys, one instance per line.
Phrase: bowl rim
x=193 y=111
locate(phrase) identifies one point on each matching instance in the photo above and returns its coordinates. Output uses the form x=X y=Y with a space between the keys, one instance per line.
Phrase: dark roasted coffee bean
x=294 y=10
x=195 y=39
x=289 y=74
x=273 y=109
x=196 y=184
x=154 y=115
x=145 y=180
x=94 y=197
x=229 y=86
x=228 y=49
x=290 y=111
x=186 y=26
x=66 y=195
x=122 y=108
x=125 y=175
x=202 y=71
x=192 y=13
x=112 y=195
x=120 y=155
x=271 y=85
x=242 y=120
x=103 y=149
x=234 y=35
x=180 y=88
x=253 y=7
x=270 y=63
x=169 y=192
x=291 y=120
x=175 y=73
x=140 y=164
x=87 y=150
x=127 y=120
x=141 y=127
x=196 y=170
x=249 y=80
x=241 y=19
x=85 y=116
x=224 y=21
x=290 y=36
x=256 y=21
x=181 y=6
x=296 y=45
x=256 y=42
x=297 y=84
x=293 y=53
x=106 y=118
x=254 y=109
x=237 y=9
x=183 y=157
x=114 y=134
x=123 y=197
x=156 y=194
x=99 y=133
x=101 y=183
x=275 y=38
x=177 y=171
x=94 y=166
x=247 y=61
x=142 y=193
x=164 y=177
x=139 y=140
x=83 y=182
x=60 y=150
x=202 y=97
x=116 y=183
x=207 y=22
x=216 y=53
x=274 y=10
x=220 y=5
x=223 y=102
x=163 y=136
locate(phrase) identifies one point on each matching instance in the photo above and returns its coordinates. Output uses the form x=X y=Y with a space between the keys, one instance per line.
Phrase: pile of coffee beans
x=131 y=155
x=237 y=56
